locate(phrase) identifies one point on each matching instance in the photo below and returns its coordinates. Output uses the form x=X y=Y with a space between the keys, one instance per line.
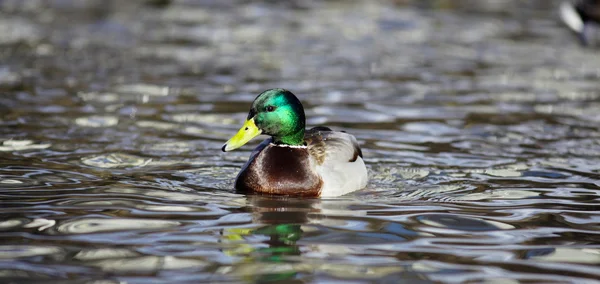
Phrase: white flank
x=342 y=178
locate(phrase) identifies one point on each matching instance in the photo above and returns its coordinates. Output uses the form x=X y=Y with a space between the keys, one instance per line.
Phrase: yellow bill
x=245 y=134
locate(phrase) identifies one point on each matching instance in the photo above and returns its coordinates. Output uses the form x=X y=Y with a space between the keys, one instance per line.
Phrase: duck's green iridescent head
x=275 y=112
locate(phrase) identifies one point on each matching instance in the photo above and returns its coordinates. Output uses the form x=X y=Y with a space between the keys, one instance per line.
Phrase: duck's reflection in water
x=293 y=239
x=270 y=252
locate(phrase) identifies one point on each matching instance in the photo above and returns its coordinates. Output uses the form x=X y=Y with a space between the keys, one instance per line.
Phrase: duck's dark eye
x=270 y=108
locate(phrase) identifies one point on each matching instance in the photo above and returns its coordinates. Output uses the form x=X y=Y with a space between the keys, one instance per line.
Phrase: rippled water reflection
x=478 y=120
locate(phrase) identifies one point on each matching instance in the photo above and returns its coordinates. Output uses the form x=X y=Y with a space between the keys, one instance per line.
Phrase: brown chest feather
x=281 y=171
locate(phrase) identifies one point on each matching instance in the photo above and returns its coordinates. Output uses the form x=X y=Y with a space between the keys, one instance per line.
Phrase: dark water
x=479 y=122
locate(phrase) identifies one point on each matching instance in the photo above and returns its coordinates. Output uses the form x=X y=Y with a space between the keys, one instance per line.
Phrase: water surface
x=479 y=122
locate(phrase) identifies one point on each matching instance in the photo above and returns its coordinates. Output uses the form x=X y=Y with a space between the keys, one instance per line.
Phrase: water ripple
x=21 y=251
x=115 y=160
x=20 y=145
x=95 y=225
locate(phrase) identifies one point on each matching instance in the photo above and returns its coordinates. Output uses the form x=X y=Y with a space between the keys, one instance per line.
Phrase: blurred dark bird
x=580 y=16
x=158 y=3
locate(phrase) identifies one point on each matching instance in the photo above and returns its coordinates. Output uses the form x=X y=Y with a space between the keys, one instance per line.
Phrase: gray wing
x=339 y=161
x=325 y=143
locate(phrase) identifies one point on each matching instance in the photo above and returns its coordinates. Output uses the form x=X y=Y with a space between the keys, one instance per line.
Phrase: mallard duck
x=295 y=161
x=579 y=15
